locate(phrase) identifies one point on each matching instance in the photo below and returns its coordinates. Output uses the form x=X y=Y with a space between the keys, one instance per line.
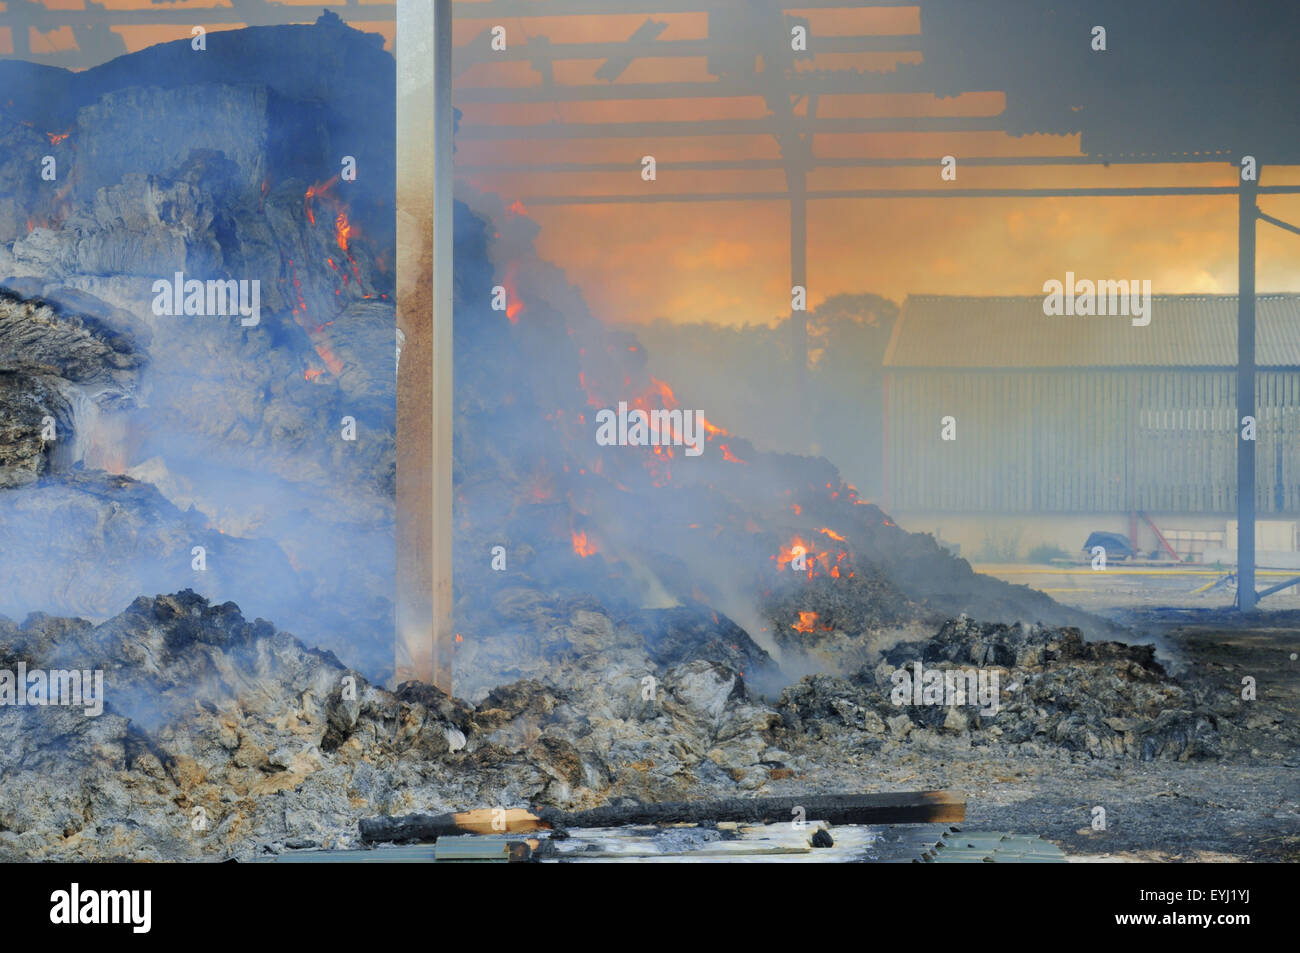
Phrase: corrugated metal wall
x=1086 y=441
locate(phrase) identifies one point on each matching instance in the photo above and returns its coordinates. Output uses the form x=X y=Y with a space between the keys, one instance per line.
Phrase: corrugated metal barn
x=1086 y=414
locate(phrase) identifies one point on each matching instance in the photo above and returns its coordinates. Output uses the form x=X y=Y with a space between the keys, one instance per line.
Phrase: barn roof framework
x=784 y=89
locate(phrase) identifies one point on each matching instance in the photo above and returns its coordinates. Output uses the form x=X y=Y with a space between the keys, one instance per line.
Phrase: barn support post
x=1246 y=214
x=1257 y=213
x=423 y=642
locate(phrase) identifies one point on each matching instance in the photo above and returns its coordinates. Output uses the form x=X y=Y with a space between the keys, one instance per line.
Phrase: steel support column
x=1246 y=213
x=423 y=645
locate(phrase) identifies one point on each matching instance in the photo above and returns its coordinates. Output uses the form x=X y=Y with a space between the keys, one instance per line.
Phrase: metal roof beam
x=764 y=165
x=652 y=199
x=800 y=84
x=477 y=51
x=500 y=9
x=267 y=14
x=1285 y=226
x=730 y=127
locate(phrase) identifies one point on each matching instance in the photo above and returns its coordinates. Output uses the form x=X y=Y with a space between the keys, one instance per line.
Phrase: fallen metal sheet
x=727 y=843
x=960 y=847
x=408 y=854
x=723 y=843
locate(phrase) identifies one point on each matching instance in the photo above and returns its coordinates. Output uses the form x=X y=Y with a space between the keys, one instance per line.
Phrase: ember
x=582 y=546
x=342 y=230
x=514 y=303
x=807 y=620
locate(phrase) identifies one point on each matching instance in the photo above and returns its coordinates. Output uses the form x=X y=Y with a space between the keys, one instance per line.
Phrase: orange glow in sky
x=728 y=262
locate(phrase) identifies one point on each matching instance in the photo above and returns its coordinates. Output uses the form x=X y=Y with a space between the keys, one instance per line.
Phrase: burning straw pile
x=165 y=434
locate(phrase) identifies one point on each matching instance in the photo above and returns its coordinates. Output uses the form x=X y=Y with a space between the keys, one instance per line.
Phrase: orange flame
x=582 y=546
x=342 y=230
x=832 y=534
x=795 y=548
x=56 y=137
x=712 y=430
x=806 y=622
x=315 y=332
x=728 y=455
x=514 y=303
x=815 y=562
x=320 y=188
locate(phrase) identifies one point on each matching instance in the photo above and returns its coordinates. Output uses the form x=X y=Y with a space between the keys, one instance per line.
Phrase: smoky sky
x=999 y=78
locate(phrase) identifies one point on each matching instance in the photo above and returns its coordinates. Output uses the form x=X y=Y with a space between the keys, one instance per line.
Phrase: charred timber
x=915 y=807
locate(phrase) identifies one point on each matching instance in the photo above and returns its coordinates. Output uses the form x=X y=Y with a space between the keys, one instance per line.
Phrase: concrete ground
x=1246 y=808
x=1135 y=585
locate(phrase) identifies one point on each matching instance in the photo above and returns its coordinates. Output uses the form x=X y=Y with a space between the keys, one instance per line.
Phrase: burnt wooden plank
x=912 y=807
x=418 y=827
